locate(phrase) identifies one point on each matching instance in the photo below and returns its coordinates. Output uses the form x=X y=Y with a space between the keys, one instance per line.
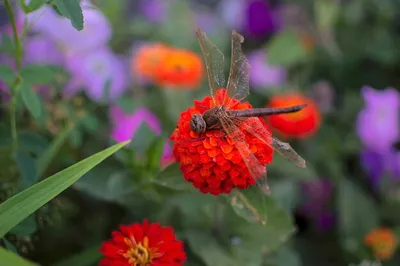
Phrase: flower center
x=99 y=67
x=139 y=254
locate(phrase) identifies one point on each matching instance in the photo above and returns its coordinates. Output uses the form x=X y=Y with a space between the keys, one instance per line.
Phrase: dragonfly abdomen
x=256 y=112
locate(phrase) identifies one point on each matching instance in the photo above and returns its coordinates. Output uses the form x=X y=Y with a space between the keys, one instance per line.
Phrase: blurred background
x=117 y=79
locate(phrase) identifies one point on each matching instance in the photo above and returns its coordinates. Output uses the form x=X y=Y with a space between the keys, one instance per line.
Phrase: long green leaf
x=12 y=259
x=18 y=207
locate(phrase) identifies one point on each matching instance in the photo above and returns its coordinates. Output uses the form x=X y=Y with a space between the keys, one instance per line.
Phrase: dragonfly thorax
x=210 y=119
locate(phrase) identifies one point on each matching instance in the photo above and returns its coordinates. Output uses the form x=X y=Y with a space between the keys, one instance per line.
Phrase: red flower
x=180 y=69
x=301 y=124
x=143 y=245
x=211 y=161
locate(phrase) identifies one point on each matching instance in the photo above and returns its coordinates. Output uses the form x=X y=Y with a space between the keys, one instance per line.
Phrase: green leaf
x=98 y=183
x=32 y=142
x=285 y=49
x=37 y=74
x=72 y=10
x=36 y=4
x=32 y=6
x=326 y=12
x=8 y=245
x=20 y=206
x=171 y=177
x=12 y=259
x=286 y=257
x=155 y=152
x=252 y=205
x=357 y=213
x=286 y=192
x=27 y=169
x=85 y=258
x=25 y=228
x=282 y=167
x=7 y=45
x=142 y=139
x=48 y=155
x=30 y=99
x=207 y=248
x=264 y=216
x=6 y=74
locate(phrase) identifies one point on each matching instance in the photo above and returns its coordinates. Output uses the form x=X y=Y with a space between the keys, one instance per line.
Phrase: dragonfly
x=233 y=122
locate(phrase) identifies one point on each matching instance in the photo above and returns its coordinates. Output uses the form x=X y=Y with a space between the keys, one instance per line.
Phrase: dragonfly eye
x=197 y=123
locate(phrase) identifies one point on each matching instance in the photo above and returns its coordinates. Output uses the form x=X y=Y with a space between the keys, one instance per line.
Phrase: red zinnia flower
x=146 y=60
x=180 y=69
x=143 y=245
x=301 y=124
x=210 y=161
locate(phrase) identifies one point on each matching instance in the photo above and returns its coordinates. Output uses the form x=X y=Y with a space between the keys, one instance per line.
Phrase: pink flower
x=125 y=126
x=378 y=122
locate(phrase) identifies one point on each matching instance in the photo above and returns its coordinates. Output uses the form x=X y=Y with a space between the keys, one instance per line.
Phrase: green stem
x=18 y=50
x=18 y=56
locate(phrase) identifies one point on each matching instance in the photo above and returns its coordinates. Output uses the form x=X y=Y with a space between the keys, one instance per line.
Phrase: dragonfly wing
x=238 y=81
x=254 y=126
x=288 y=152
x=256 y=169
x=214 y=61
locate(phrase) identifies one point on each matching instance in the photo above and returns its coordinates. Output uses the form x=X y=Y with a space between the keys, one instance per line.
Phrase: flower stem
x=18 y=56
x=18 y=50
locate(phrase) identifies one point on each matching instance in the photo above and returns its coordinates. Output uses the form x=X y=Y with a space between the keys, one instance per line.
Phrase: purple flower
x=94 y=71
x=325 y=220
x=380 y=165
x=208 y=22
x=96 y=32
x=256 y=17
x=393 y=165
x=378 y=123
x=42 y=50
x=232 y=12
x=125 y=126
x=263 y=75
x=260 y=18
x=374 y=166
x=154 y=10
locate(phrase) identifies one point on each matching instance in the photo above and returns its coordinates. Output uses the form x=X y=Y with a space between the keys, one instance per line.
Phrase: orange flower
x=180 y=68
x=382 y=241
x=147 y=59
x=143 y=245
x=301 y=124
x=210 y=161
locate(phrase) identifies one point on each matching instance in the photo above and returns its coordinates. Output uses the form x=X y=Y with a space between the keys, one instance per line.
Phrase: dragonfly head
x=197 y=123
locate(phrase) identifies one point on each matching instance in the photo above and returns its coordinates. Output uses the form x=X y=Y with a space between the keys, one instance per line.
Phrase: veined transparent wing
x=238 y=81
x=214 y=61
x=257 y=170
x=254 y=126
x=285 y=150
